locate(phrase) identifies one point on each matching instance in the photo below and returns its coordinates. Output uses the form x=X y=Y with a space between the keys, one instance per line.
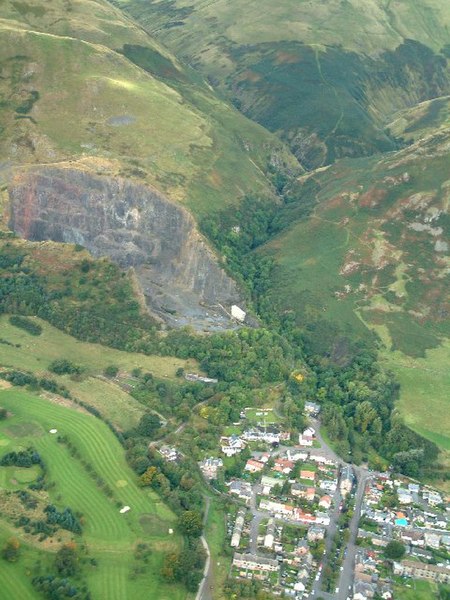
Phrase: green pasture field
x=424 y=400
x=35 y=354
x=109 y=535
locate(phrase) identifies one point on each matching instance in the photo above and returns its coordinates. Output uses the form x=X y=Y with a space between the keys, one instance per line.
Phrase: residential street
x=345 y=583
x=346 y=579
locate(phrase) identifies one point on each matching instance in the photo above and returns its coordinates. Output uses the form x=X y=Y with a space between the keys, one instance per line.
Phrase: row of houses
x=293 y=513
x=410 y=568
x=252 y=562
x=238 y=527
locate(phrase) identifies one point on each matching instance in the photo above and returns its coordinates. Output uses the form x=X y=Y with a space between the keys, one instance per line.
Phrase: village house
x=254 y=466
x=325 y=502
x=264 y=457
x=307 y=518
x=432 y=540
x=312 y=409
x=301 y=491
x=323 y=518
x=315 y=533
x=363 y=590
x=270 y=534
x=412 y=537
x=328 y=486
x=238 y=526
x=210 y=466
x=270 y=435
x=302 y=548
x=277 y=508
x=232 y=445
x=307 y=474
x=420 y=570
x=241 y=489
x=346 y=482
x=316 y=455
x=365 y=562
x=252 y=562
x=268 y=483
x=432 y=497
x=169 y=453
x=296 y=454
x=283 y=465
x=404 y=496
x=307 y=437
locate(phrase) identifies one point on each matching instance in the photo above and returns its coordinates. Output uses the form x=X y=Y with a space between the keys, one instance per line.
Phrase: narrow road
x=346 y=579
x=206 y=584
x=331 y=531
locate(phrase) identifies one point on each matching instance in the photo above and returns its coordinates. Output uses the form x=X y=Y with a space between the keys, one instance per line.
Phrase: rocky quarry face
x=135 y=226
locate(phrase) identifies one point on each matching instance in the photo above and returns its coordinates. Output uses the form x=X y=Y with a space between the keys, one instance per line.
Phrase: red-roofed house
x=306 y=474
x=254 y=466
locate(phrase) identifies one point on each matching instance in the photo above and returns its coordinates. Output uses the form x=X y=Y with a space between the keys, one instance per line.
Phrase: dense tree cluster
x=67 y=560
x=66 y=519
x=185 y=566
x=26 y=324
x=395 y=550
x=62 y=366
x=24 y=378
x=59 y=588
x=23 y=458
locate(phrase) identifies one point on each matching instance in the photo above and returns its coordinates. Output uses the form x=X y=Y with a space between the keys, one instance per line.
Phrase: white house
x=232 y=445
x=307 y=437
x=237 y=313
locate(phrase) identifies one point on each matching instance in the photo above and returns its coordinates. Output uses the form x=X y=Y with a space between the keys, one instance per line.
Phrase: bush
x=111 y=371
x=10 y=552
x=65 y=367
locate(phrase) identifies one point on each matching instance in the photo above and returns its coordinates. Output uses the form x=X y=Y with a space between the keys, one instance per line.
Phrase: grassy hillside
x=325 y=76
x=137 y=111
x=22 y=351
x=374 y=255
x=109 y=536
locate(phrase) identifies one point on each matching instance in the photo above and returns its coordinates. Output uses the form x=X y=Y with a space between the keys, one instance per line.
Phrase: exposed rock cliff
x=136 y=227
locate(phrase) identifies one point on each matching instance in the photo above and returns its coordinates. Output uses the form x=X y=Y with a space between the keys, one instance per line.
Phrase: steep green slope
x=374 y=254
x=81 y=81
x=325 y=76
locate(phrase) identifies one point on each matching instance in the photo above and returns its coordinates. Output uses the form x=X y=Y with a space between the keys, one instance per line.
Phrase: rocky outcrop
x=135 y=226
